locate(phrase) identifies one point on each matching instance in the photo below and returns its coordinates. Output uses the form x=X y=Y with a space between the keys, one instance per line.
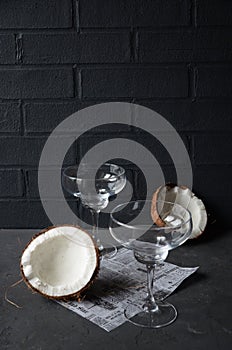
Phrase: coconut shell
x=171 y=194
x=80 y=294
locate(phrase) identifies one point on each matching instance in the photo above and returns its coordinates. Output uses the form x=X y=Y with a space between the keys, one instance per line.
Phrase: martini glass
x=93 y=186
x=132 y=226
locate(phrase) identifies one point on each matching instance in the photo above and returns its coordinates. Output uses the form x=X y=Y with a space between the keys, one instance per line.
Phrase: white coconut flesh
x=60 y=261
x=187 y=199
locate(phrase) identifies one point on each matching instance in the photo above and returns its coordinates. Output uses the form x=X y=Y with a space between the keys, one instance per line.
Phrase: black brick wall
x=58 y=56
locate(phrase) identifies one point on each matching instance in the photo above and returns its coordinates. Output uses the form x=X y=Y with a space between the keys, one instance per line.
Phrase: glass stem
x=95 y=220
x=150 y=304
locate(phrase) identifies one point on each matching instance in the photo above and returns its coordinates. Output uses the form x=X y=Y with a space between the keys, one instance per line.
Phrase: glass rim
x=115 y=209
x=122 y=172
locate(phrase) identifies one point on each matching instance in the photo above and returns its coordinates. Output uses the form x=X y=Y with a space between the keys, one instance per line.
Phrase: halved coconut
x=60 y=262
x=185 y=197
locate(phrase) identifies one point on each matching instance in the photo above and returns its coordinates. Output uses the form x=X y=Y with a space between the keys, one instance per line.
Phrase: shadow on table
x=213 y=231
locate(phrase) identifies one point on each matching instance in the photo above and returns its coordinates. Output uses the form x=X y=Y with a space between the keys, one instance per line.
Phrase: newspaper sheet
x=122 y=282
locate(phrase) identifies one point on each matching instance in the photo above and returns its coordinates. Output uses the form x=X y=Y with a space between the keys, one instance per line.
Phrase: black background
x=56 y=57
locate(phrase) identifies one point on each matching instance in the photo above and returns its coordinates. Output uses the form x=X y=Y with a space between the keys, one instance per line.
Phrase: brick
x=36 y=83
x=140 y=180
x=214 y=81
x=165 y=46
x=162 y=13
x=36 y=14
x=218 y=213
x=212 y=45
x=7 y=49
x=11 y=183
x=9 y=118
x=109 y=13
x=32 y=182
x=200 y=187
x=26 y=214
x=184 y=115
x=214 y=12
x=44 y=117
x=151 y=145
x=76 y=48
x=213 y=149
x=25 y=151
x=199 y=115
x=89 y=141
x=158 y=148
x=135 y=82
x=201 y=45
x=210 y=180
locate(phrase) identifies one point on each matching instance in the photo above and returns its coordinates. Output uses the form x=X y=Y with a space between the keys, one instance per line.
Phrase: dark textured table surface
x=203 y=302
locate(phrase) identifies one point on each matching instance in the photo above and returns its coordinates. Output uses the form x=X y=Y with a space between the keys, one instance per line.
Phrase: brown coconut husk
x=156 y=217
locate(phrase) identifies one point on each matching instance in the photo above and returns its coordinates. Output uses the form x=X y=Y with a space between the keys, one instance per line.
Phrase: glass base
x=165 y=315
x=107 y=250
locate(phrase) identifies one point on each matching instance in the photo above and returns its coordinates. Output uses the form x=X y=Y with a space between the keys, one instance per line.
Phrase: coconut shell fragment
x=60 y=262
x=186 y=198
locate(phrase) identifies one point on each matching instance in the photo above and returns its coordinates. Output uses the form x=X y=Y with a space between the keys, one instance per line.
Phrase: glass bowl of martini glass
x=94 y=187
x=131 y=225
